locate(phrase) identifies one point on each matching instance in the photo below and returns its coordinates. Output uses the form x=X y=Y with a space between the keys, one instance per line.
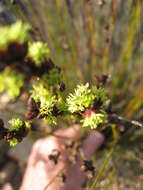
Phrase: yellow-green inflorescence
x=18 y=129
x=16 y=124
x=38 y=52
x=17 y=32
x=11 y=81
x=47 y=101
x=80 y=102
x=83 y=99
x=94 y=120
x=13 y=142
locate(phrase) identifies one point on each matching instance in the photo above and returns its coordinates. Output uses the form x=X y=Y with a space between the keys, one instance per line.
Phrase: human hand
x=42 y=171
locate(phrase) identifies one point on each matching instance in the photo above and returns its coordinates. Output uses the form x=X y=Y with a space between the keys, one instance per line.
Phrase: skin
x=40 y=170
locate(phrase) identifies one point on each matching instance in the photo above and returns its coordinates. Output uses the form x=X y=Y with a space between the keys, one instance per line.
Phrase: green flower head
x=16 y=124
x=47 y=101
x=11 y=81
x=13 y=142
x=38 y=52
x=17 y=32
x=82 y=98
x=94 y=120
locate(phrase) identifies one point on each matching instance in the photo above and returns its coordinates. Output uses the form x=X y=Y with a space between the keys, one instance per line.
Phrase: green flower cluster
x=17 y=32
x=38 y=52
x=94 y=120
x=11 y=81
x=81 y=99
x=47 y=101
x=16 y=124
x=17 y=131
x=13 y=142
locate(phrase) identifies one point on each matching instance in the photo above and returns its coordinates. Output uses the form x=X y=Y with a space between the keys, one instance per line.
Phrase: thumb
x=92 y=143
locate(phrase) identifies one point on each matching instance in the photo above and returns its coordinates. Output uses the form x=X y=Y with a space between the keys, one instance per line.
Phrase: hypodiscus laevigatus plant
x=23 y=62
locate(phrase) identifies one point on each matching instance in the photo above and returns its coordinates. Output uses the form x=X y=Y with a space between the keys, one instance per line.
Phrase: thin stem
x=110 y=180
x=114 y=118
x=102 y=168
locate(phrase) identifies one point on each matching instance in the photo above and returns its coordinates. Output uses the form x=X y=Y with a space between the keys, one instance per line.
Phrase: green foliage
x=52 y=78
x=17 y=32
x=16 y=124
x=38 y=52
x=11 y=81
x=94 y=120
x=61 y=103
x=100 y=94
x=81 y=98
